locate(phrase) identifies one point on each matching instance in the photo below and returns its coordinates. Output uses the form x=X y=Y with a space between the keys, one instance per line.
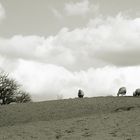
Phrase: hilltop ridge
x=63 y=109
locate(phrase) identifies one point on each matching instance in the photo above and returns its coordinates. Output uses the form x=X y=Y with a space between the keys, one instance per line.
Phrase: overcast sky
x=53 y=47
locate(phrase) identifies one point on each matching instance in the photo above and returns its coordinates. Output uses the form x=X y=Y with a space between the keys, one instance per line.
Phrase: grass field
x=98 y=118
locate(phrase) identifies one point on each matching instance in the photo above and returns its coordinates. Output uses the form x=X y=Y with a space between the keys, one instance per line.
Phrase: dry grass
x=100 y=118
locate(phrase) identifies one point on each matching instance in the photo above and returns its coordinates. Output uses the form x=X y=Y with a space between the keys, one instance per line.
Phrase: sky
x=53 y=48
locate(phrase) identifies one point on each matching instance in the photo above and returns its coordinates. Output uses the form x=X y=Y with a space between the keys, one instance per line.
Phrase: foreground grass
x=75 y=119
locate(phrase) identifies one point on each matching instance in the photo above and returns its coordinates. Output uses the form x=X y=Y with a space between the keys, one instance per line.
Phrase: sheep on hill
x=80 y=93
x=136 y=92
x=122 y=91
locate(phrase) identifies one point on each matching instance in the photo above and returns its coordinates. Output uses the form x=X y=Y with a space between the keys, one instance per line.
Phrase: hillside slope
x=88 y=118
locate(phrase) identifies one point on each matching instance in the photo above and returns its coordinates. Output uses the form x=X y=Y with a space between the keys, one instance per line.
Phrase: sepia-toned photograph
x=69 y=70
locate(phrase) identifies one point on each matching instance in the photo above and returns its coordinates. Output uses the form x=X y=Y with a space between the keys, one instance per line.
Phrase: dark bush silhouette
x=10 y=91
x=23 y=97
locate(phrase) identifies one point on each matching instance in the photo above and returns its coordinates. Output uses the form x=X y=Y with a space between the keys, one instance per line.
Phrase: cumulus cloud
x=48 y=81
x=104 y=41
x=80 y=8
x=2 y=12
x=98 y=58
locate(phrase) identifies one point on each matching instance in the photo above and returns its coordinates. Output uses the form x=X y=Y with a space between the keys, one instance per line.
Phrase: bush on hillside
x=10 y=91
x=23 y=97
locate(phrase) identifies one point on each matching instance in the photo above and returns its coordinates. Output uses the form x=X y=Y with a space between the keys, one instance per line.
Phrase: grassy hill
x=76 y=119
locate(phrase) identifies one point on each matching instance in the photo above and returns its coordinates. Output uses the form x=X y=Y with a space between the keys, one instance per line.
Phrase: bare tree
x=23 y=97
x=9 y=90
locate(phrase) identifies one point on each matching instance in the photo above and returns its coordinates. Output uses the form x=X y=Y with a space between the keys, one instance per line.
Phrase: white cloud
x=81 y=58
x=2 y=12
x=109 y=41
x=80 y=8
x=48 y=81
x=57 y=13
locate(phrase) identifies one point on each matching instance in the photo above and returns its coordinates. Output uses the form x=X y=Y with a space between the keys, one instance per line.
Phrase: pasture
x=98 y=118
